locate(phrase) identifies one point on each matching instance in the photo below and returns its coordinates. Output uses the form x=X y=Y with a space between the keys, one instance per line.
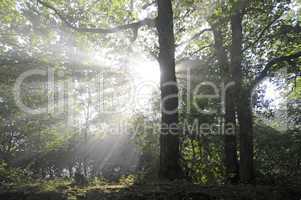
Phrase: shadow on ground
x=174 y=191
x=192 y=192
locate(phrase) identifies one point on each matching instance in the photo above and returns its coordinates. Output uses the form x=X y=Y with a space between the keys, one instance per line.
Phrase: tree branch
x=265 y=72
x=285 y=29
x=261 y=34
x=194 y=37
x=134 y=26
x=183 y=59
x=145 y=6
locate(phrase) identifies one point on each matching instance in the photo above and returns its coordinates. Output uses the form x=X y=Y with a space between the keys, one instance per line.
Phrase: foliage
x=12 y=176
x=277 y=155
x=42 y=149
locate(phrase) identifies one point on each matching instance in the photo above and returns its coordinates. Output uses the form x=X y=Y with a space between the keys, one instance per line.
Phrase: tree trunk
x=246 y=137
x=242 y=102
x=169 y=141
x=230 y=145
x=231 y=162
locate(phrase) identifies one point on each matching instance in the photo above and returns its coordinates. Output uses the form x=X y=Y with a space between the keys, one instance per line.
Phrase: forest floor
x=162 y=191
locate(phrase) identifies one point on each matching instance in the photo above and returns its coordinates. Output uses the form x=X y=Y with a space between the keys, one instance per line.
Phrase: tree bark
x=169 y=139
x=245 y=119
x=244 y=109
x=231 y=161
x=230 y=144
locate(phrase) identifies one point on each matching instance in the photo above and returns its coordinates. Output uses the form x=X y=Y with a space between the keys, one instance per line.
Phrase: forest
x=150 y=99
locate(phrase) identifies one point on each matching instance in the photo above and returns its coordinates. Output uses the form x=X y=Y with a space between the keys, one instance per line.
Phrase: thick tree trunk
x=231 y=161
x=230 y=145
x=169 y=141
x=246 y=137
x=242 y=102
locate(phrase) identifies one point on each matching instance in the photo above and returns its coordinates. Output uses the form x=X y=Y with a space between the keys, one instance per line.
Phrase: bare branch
x=134 y=26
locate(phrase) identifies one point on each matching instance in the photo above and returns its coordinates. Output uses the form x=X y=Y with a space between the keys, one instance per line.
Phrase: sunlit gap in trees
x=142 y=75
x=272 y=94
x=120 y=94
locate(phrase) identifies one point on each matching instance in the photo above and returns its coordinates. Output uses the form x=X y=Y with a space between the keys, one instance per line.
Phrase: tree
x=231 y=160
x=232 y=25
x=169 y=140
x=243 y=101
x=169 y=144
